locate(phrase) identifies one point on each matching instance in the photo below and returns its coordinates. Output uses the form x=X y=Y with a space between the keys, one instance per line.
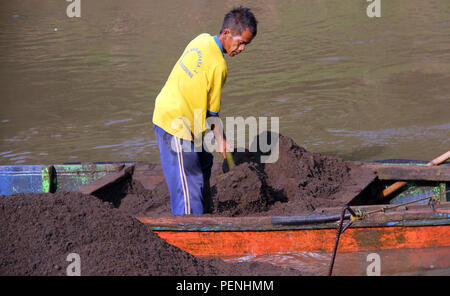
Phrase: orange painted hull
x=414 y=228
x=239 y=243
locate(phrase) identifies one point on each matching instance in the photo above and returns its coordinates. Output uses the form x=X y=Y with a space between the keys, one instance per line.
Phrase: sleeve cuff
x=213 y=113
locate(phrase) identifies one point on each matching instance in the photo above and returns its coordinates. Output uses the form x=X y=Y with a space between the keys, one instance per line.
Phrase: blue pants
x=186 y=173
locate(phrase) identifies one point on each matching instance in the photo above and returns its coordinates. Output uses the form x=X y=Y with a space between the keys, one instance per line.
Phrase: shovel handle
x=230 y=160
x=400 y=184
x=440 y=159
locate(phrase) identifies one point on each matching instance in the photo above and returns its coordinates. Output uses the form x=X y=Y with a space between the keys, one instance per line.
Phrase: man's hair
x=238 y=20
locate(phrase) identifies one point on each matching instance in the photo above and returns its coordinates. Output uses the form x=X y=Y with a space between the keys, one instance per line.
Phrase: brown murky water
x=403 y=262
x=83 y=89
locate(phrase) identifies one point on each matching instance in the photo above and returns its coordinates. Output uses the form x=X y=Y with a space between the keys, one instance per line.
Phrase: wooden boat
x=416 y=217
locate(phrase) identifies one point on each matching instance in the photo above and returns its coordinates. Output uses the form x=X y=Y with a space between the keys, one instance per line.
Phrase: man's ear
x=226 y=32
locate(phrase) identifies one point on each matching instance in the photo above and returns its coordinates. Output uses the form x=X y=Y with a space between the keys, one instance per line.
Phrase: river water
x=341 y=83
x=388 y=262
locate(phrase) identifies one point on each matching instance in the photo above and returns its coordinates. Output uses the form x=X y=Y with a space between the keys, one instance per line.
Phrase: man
x=192 y=93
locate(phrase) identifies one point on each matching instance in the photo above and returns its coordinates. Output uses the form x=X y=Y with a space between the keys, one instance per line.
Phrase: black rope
x=338 y=234
x=341 y=230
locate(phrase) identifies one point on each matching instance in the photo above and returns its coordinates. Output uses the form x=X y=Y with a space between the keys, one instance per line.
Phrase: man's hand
x=224 y=147
x=216 y=126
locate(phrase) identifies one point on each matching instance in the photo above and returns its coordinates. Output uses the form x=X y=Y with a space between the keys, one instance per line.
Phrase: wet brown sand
x=299 y=182
x=38 y=231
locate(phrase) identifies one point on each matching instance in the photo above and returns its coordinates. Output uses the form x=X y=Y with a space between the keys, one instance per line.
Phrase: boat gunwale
x=420 y=215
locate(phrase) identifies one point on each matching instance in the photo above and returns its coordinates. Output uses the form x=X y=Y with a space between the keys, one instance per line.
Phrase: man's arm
x=217 y=128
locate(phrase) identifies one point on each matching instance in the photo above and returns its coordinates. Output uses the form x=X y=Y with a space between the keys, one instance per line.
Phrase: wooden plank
x=442 y=205
x=419 y=216
x=202 y=223
x=149 y=175
x=375 y=219
x=107 y=180
x=411 y=173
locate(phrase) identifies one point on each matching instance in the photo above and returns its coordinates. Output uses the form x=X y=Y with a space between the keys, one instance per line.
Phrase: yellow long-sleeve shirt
x=193 y=89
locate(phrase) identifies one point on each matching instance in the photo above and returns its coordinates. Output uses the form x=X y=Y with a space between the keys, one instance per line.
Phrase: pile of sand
x=298 y=183
x=39 y=231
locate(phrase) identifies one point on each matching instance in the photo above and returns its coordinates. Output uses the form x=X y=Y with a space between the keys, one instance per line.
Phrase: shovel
x=230 y=160
x=397 y=185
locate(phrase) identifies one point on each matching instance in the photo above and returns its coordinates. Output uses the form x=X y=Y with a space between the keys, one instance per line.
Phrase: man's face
x=235 y=43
